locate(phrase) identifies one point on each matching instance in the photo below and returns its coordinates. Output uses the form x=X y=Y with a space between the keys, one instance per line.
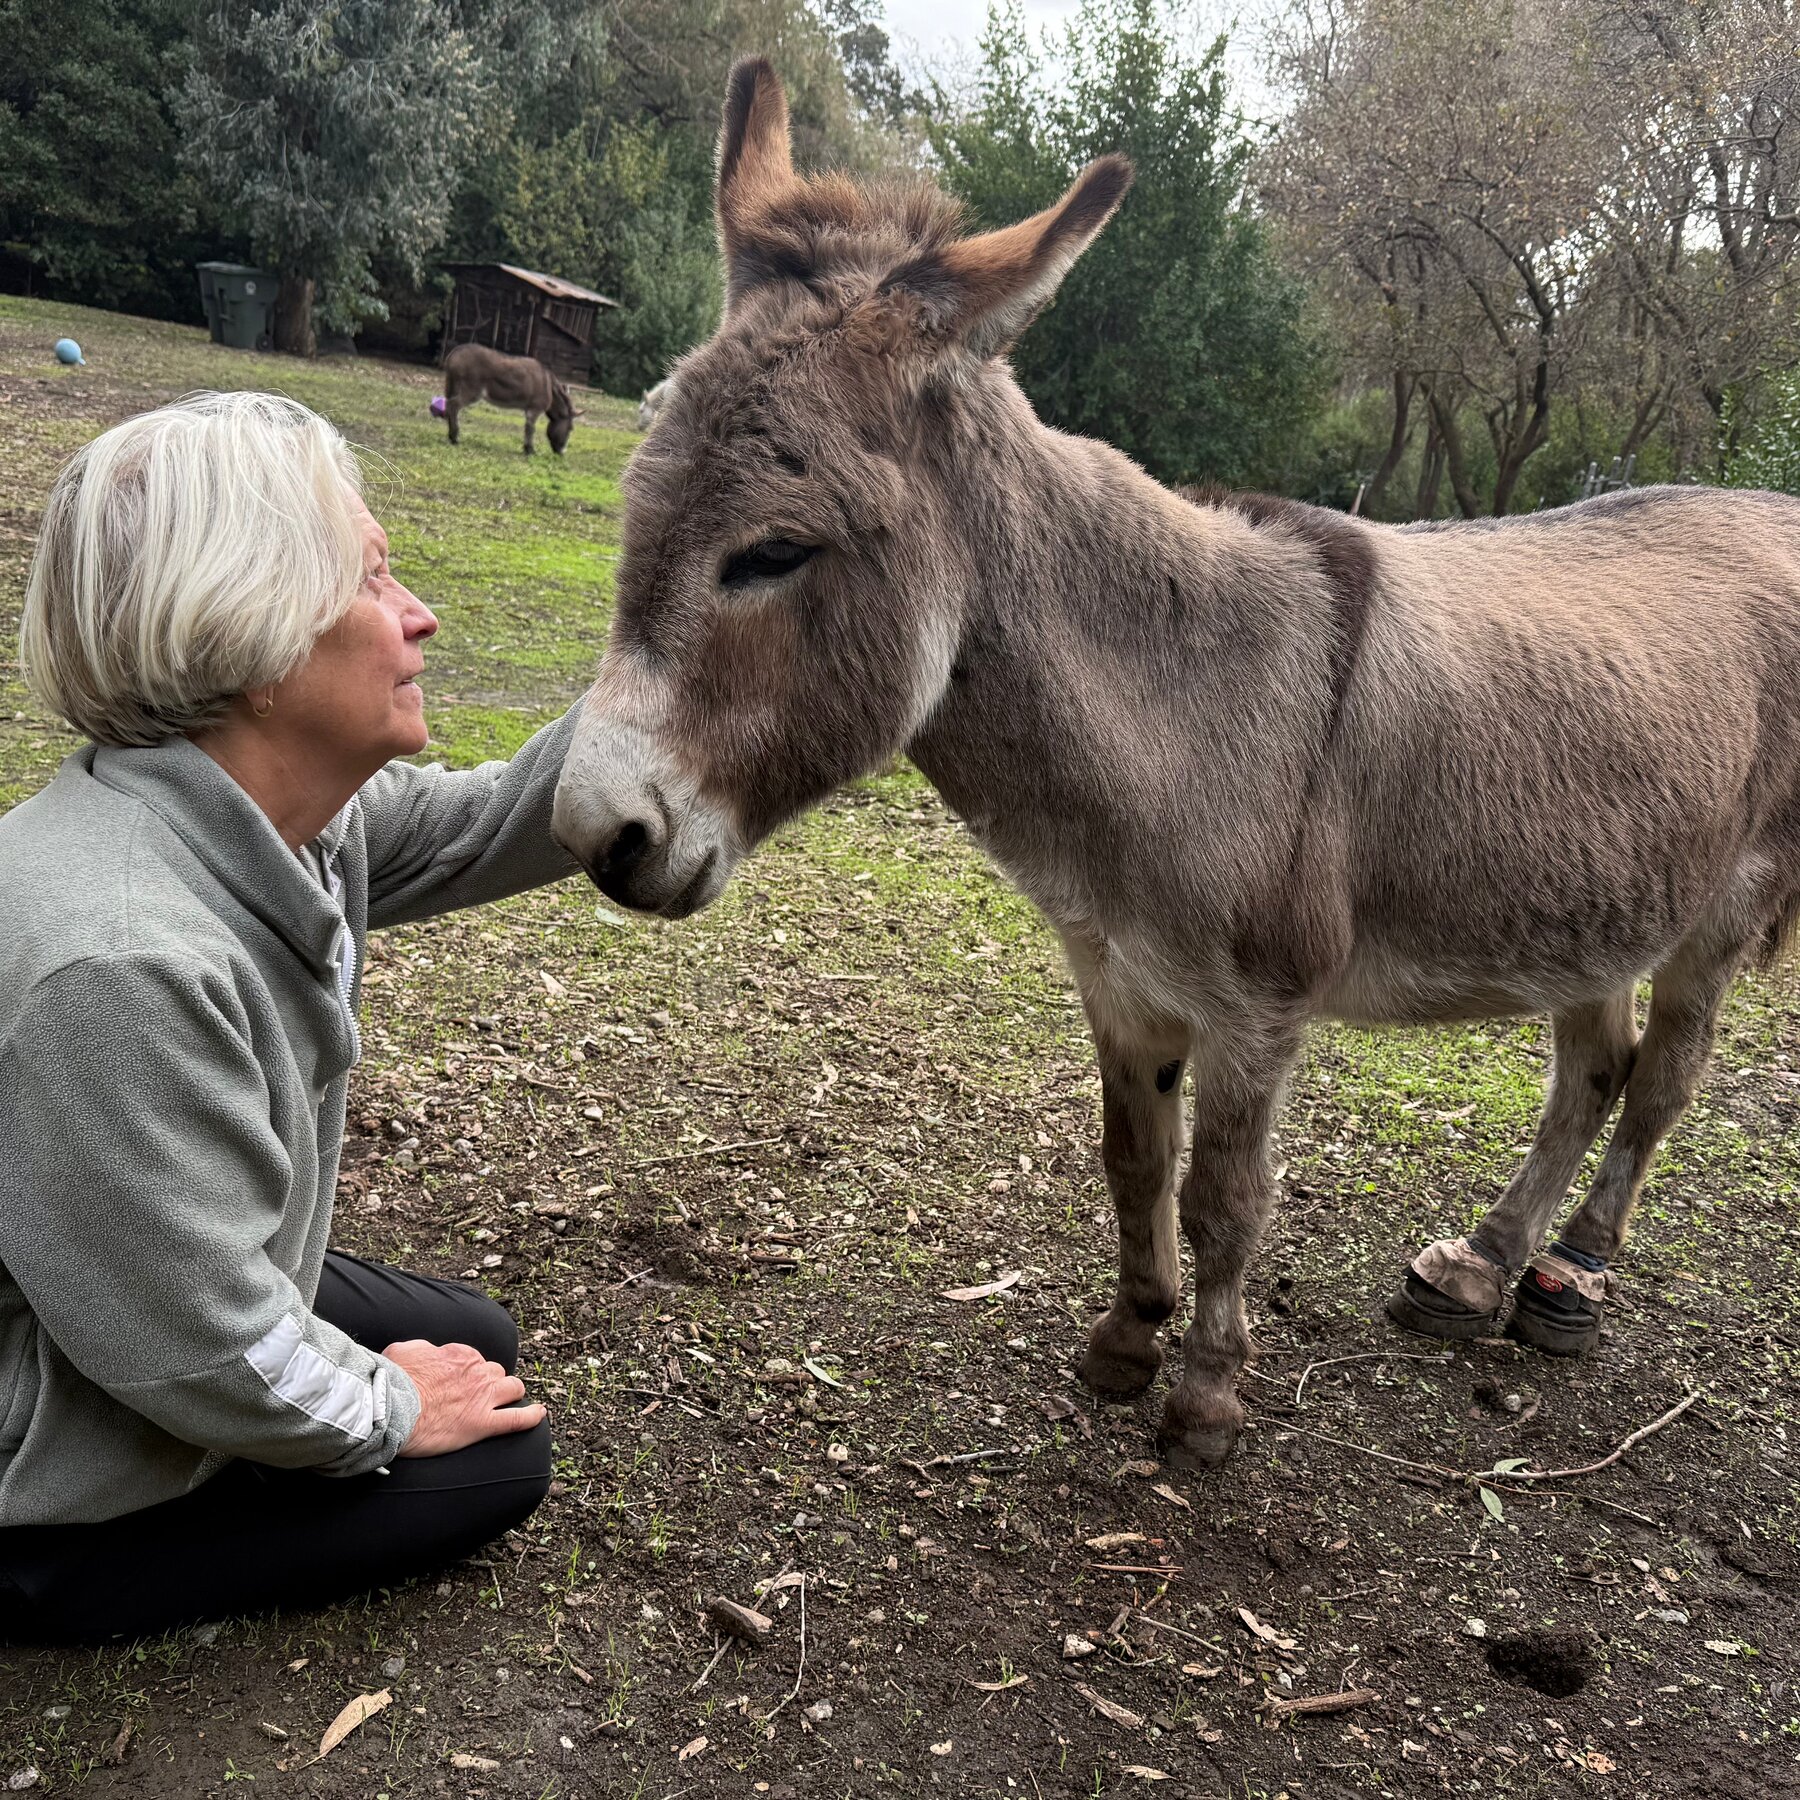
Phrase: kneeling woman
x=203 y=1410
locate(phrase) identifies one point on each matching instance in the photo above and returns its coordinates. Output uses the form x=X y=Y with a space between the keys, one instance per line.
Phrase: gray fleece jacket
x=177 y=1027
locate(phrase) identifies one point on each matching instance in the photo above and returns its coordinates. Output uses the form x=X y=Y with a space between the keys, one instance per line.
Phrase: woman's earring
x=268 y=706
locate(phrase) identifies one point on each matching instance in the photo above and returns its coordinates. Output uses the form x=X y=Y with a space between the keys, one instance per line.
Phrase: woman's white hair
x=186 y=556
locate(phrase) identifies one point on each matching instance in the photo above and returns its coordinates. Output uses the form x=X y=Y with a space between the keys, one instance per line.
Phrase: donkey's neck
x=1135 y=675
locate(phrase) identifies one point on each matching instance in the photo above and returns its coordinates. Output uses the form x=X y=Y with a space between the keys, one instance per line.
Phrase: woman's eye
x=773 y=556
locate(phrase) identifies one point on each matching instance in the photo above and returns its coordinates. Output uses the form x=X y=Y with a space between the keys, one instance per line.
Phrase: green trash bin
x=239 y=303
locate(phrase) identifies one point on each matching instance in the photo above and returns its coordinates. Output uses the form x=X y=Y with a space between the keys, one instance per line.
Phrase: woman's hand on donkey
x=463 y=1398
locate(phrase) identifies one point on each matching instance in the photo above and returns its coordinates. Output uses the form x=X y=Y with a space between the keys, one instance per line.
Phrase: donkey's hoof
x=1553 y=1317
x=1111 y=1375
x=1200 y=1447
x=1415 y=1305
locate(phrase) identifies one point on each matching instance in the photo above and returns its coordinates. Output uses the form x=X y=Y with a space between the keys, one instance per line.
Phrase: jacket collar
x=235 y=839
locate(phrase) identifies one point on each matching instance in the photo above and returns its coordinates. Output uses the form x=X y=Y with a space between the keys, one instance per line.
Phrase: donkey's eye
x=773 y=556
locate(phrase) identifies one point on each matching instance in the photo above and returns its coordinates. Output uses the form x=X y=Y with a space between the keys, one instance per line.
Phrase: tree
x=333 y=131
x=91 y=193
x=1541 y=204
x=608 y=180
x=1177 y=337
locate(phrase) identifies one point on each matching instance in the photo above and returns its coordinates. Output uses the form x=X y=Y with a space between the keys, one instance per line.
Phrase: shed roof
x=553 y=285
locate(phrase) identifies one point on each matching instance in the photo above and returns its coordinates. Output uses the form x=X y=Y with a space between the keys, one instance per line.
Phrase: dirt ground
x=729 y=1175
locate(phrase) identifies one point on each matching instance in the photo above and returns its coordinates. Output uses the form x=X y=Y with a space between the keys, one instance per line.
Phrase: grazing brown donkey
x=1258 y=763
x=474 y=372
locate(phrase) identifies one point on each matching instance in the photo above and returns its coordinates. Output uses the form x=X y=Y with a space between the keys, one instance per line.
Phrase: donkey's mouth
x=695 y=895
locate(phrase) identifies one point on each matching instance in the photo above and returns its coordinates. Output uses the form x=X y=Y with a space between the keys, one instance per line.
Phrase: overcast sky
x=942 y=37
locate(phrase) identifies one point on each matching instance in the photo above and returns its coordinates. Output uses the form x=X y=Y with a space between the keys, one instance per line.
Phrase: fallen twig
x=1278 y=1707
x=944 y=1462
x=799 y=1673
x=1636 y=1438
x=1192 y=1637
x=650 y=1162
x=1331 y=1362
x=724 y=1645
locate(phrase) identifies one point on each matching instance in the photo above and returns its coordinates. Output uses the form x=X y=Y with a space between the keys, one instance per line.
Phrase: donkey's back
x=1570 y=739
x=475 y=372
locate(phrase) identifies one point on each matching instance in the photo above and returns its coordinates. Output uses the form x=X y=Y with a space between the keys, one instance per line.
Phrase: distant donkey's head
x=560 y=420
x=799 y=538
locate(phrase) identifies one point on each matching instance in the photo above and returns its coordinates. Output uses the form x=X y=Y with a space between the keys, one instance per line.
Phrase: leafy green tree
x=334 y=131
x=91 y=194
x=1177 y=337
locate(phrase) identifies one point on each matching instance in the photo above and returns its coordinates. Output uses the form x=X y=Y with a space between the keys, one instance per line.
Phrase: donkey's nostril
x=622 y=854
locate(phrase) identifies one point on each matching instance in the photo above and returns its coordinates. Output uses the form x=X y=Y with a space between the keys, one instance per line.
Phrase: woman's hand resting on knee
x=463 y=1398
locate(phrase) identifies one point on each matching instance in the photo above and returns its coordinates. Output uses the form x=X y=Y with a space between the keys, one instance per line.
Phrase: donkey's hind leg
x=1225 y=1202
x=1561 y=1298
x=1140 y=1146
x=1456 y=1286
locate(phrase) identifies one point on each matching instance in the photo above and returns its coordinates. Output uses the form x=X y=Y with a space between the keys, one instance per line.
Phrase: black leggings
x=253 y=1537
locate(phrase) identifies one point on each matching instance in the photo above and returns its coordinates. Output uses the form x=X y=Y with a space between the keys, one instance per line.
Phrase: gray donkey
x=1258 y=763
x=473 y=372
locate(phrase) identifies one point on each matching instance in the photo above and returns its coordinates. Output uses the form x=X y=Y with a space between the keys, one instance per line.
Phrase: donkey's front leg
x=1225 y=1202
x=1140 y=1145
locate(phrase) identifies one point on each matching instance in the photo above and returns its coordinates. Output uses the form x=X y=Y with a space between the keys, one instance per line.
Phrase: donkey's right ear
x=755 y=160
x=981 y=292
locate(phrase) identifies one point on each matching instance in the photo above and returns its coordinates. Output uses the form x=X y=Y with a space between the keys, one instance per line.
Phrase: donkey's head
x=560 y=420
x=792 y=590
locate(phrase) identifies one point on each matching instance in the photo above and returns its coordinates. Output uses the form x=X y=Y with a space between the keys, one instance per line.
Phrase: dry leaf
x=484 y=1765
x=552 y=986
x=364 y=1706
x=1205 y=1671
x=823 y=1373
x=692 y=1748
x=1168 y=1493
x=1723 y=1647
x=1258 y=1629
x=1144 y=1774
x=298 y=1664
x=1110 y=1709
x=1145 y=1469
x=986 y=1290
x=1000 y=1687
x=1116 y=1540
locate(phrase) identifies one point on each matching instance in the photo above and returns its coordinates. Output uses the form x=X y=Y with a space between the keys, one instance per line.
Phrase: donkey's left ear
x=983 y=291
x=756 y=164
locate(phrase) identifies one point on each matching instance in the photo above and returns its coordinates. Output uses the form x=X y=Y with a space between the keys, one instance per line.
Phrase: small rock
x=1475 y=1628
x=405 y=1159
x=205 y=1634
x=1075 y=1646
x=839 y=1453
x=819 y=1711
x=1513 y=1403
x=393 y=1668
x=740 y=1622
x=273 y=1732
x=56 y=1712
x=22 y=1779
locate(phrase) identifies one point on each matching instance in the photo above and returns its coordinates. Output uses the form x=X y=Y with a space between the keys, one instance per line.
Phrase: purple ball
x=437 y=406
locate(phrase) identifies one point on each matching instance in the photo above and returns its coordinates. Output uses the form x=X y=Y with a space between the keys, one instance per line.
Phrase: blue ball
x=68 y=351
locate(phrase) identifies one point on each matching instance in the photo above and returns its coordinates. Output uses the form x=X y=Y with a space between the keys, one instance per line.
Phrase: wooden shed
x=524 y=314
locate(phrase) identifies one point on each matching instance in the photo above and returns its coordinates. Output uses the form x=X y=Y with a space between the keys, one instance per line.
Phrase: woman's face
x=357 y=696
